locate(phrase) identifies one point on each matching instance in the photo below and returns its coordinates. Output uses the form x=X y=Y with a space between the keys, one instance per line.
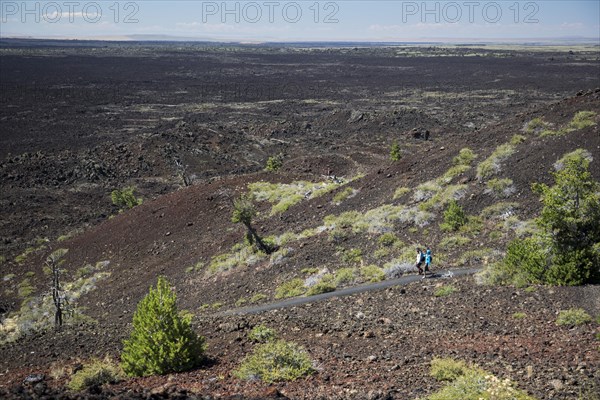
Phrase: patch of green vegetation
x=20 y=259
x=500 y=210
x=241 y=255
x=382 y=252
x=241 y=301
x=444 y=196
x=195 y=268
x=500 y=187
x=309 y=271
x=8 y=277
x=285 y=195
x=274 y=163
x=492 y=165
x=582 y=120
x=343 y=195
x=291 y=288
x=372 y=273
x=480 y=256
x=517 y=139
x=455 y=171
x=519 y=315
x=276 y=361
x=124 y=198
x=537 y=125
x=325 y=285
x=262 y=334
x=96 y=373
x=530 y=289
x=473 y=226
x=257 y=297
x=25 y=289
x=452 y=242
x=445 y=290
x=401 y=191
x=465 y=157
x=387 y=239
x=573 y=317
x=476 y=384
x=350 y=256
x=344 y=276
x=216 y=305
x=447 y=369
x=495 y=235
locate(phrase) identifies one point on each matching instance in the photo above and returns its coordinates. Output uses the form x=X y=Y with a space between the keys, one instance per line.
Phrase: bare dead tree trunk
x=56 y=295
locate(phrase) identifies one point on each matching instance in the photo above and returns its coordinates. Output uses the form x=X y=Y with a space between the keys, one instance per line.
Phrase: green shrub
x=395 y=153
x=536 y=125
x=465 y=157
x=257 y=297
x=25 y=289
x=444 y=291
x=570 y=217
x=241 y=301
x=382 y=252
x=451 y=242
x=519 y=315
x=262 y=334
x=344 y=276
x=343 y=195
x=125 y=198
x=526 y=257
x=309 y=271
x=162 y=340
x=351 y=256
x=573 y=317
x=491 y=165
x=455 y=171
x=473 y=226
x=477 y=385
x=517 y=139
x=500 y=210
x=447 y=369
x=274 y=163
x=276 y=361
x=95 y=373
x=500 y=187
x=291 y=288
x=581 y=120
x=454 y=217
x=401 y=191
x=372 y=273
x=387 y=239
x=326 y=285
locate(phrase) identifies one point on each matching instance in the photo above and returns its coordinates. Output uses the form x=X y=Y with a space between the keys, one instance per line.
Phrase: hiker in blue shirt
x=427 y=260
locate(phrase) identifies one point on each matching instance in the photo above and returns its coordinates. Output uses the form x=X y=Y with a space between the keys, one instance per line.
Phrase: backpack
x=422 y=257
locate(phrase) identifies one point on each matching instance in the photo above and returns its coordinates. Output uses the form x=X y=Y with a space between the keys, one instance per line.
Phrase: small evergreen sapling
x=162 y=340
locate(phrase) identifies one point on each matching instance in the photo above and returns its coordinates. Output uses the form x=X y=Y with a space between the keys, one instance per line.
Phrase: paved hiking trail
x=297 y=301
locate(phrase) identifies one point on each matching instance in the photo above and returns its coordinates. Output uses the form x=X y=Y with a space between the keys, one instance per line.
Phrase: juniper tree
x=162 y=340
x=570 y=218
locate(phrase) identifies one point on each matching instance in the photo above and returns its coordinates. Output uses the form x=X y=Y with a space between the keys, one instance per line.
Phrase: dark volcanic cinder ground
x=78 y=122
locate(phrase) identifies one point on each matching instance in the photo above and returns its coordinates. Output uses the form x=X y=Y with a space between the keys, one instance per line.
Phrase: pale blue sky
x=304 y=20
